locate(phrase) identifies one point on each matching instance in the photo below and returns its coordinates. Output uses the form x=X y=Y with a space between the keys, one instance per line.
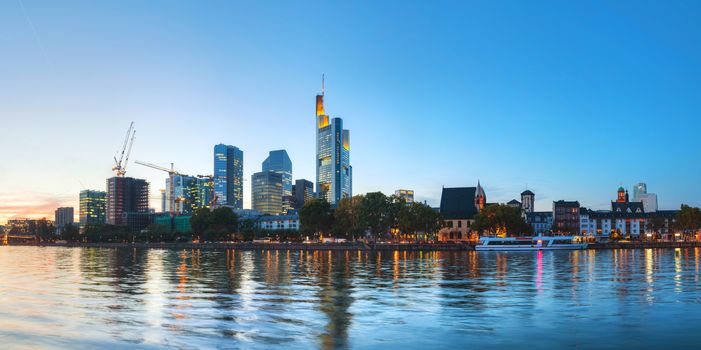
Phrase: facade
x=93 y=207
x=63 y=216
x=267 y=192
x=459 y=206
x=649 y=201
x=181 y=223
x=407 y=195
x=540 y=221
x=626 y=219
x=566 y=217
x=228 y=175
x=279 y=222
x=125 y=195
x=527 y=201
x=302 y=191
x=334 y=174
x=279 y=162
x=191 y=193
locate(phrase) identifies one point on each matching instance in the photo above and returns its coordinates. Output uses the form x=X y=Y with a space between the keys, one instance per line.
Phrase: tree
x=70 y=233
x=656 y=224
x=428 y=220
x=315 y=217
x=501 y=218
x=345 y=218
x=688 y=219
x=374 y=214
x=214 y=225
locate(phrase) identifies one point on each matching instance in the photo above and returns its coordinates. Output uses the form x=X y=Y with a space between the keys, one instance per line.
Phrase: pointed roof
x=479 y=192
x=458 y=203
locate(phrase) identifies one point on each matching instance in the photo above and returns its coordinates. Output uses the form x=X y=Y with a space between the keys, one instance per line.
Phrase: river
x=86 y=298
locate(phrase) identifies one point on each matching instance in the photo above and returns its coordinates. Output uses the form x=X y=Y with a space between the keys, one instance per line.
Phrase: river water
x=73 y=298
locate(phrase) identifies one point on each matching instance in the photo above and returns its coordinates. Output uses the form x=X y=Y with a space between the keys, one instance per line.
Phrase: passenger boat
x=530 y=243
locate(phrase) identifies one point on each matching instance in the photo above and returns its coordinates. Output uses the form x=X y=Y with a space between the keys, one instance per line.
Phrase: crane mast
x=120 y=165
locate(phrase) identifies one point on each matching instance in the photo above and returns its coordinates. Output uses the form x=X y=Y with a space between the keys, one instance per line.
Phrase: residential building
x=228 y=175
x=92 y=209
x=627 y=219
x=540 y=221
x=302 y=191
x=566 y=217
x=267 y=192
x=459 y=206
x=63 y=216
x=334 y=173
x=407 y=195
x=126 y=195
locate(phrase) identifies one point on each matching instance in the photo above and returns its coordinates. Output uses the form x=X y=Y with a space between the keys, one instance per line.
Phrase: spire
x=322 y=84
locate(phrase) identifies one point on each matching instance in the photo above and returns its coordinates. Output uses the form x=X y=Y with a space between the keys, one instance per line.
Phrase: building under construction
x=127 y=197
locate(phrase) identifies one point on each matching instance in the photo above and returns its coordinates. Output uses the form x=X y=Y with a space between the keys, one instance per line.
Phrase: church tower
x=480 y=197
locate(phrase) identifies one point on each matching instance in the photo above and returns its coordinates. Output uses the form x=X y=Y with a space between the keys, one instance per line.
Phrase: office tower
x=126 y=196
x=527 y=201
x=228 y=175
x=191 y=193
x=92 y=209
x=407 y=195
x=638 y=189
x=267 y=192
x=279 y=162
x=303 y=191
x=334 y=174
x=63 y=216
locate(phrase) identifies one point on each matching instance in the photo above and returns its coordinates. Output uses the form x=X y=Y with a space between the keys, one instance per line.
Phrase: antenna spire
x=322 y=84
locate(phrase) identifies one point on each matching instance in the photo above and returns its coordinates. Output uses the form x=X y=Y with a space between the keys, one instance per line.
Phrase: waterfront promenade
x=348 y=246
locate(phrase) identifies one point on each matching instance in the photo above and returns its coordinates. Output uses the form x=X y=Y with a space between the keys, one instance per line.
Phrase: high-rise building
x=63 y=216
x=92 y=209
x=334 y=174
x=279 y=162
x=191 y=193
x=267 y=192
x=125 y=195
x=407 y=195
x=303 y=191
x=228 y=175
x=638 y=189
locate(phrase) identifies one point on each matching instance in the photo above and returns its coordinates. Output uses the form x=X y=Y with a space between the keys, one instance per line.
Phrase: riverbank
x=644 y=245
x=270 y=246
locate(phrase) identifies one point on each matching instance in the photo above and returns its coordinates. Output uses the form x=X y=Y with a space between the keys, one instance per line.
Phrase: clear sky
x=570 y=99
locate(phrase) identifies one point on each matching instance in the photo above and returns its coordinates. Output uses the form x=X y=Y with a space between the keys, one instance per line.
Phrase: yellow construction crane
x=120 y=166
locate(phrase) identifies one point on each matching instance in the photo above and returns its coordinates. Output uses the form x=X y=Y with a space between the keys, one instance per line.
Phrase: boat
x=530 y=243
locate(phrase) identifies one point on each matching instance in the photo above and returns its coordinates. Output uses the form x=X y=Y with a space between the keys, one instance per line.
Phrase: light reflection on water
x=122 y=298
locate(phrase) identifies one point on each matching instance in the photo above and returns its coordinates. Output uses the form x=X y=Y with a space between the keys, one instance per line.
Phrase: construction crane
x=171 y=188
x=120 y=165
x=213 y=195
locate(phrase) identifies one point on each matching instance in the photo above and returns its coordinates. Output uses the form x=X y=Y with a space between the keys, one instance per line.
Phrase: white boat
x=530 y=243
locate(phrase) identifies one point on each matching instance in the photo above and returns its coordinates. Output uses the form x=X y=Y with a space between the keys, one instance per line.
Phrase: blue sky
x=569 y=99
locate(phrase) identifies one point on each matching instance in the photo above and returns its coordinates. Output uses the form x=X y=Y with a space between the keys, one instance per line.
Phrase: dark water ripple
x=74 y=298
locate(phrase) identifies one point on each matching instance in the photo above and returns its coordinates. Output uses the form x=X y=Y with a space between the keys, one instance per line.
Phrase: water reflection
x=106 y=298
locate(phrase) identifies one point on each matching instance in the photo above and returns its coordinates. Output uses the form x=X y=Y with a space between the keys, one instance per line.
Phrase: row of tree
x=373 y=214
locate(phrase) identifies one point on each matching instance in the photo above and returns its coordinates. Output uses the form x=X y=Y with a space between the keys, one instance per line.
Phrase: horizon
x=570 y=101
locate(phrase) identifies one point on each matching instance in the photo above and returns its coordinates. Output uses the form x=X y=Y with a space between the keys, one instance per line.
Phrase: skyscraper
x=92 y=207
x=267 y=192
x=334 y=174
x=638 y=189
x=303 y=191
x=228 y=175
x=191 y=193
x=279 y=162
x=126 y=195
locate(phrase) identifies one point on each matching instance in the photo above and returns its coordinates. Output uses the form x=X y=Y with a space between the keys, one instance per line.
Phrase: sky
x=568 y=99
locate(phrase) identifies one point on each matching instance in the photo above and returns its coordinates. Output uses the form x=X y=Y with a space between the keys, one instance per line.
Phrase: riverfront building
x=127 y=197
x=459 y=206
x=228 y=175
x=92 y=208
x=566 y=217
x=267 y=192
x=334 y=174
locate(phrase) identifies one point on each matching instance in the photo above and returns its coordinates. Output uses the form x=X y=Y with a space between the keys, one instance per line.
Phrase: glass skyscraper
x=279 y=162
x=334 y=174
x=191 y=193
x=228 y=175
x=92 y=207
x=267 y=192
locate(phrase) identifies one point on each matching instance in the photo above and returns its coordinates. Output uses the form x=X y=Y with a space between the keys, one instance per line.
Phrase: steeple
x=480 y=197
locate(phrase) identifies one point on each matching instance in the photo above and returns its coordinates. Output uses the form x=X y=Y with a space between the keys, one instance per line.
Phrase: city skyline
x=608 y=100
